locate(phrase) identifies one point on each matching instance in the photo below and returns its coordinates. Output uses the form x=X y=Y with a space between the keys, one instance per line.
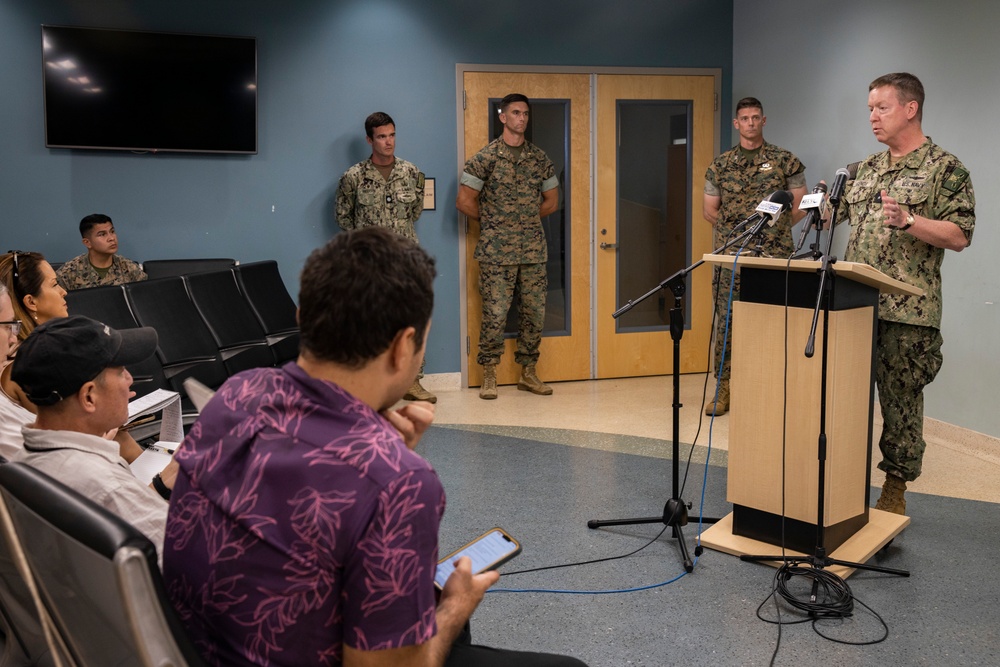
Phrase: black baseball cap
x=65 y=353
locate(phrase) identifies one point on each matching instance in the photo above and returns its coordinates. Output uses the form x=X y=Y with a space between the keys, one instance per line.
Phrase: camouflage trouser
x=497 y=283
x=907 y=360
x=720 y=287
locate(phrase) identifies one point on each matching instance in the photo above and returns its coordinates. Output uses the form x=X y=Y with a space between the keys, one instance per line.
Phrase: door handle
x=608 y=246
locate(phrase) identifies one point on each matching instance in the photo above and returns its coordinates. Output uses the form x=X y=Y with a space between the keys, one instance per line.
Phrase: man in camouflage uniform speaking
x=510 y=185
x=735 y=184
x=907 y=205
x=384 y=191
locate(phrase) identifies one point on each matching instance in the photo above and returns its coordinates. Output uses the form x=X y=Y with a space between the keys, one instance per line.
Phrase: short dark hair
x=510 y=99
x=749 y=103
x=377 y=119
x=91 y=221
x=359 y=291
x=908 y=88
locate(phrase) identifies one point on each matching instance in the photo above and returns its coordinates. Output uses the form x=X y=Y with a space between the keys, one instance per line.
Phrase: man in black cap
x=73 y=369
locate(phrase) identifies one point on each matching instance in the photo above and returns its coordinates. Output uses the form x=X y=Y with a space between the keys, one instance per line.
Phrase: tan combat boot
x=529 y=382
x=721 y=406
x=892 y=499
x=489 y=388
x=418 y=393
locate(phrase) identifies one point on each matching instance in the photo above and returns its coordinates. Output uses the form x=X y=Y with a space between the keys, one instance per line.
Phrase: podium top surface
x=856 y=271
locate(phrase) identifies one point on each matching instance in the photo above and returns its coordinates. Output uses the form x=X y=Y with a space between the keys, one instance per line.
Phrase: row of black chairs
x=165 y=268
x=210 y=325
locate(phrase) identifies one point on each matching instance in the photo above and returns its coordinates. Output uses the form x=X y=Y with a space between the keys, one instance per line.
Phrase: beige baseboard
x=435 y=382
x=972 y=443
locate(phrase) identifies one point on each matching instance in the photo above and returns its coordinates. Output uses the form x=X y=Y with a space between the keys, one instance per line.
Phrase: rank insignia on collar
x=766 y=166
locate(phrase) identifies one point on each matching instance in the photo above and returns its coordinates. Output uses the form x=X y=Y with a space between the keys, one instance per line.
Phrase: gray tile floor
x=543 y=484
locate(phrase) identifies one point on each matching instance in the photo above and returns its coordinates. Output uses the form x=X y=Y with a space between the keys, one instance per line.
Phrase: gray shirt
x=93 y=467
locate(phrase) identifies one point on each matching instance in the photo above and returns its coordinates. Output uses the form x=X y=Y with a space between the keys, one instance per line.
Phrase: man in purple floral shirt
x=302 y=527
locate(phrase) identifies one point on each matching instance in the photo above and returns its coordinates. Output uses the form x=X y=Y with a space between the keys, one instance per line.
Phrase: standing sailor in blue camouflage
x=384 y=191
x=907 y=205
x=735 y=184
x=510 y=185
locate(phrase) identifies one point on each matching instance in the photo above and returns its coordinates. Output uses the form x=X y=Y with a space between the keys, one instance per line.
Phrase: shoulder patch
x=420 y=179
x=955 y=180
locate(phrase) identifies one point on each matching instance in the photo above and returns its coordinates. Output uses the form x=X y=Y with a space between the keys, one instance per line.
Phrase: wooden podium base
x=881 y=528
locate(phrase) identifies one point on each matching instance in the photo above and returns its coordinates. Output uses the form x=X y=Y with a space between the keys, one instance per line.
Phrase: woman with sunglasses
x=34 y=290
x=36 y=297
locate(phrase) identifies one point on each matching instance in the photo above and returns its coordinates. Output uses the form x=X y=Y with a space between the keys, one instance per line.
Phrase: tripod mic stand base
x=823 y=562
x=674 y=515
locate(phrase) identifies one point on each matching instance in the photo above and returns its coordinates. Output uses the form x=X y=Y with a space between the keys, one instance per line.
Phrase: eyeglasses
x=13 y=326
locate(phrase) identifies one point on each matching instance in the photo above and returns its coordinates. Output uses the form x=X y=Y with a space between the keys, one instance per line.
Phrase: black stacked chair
x=24 y=637
x=237 y=333
x=109 y=305
x=96 y=575
x=270 y=301
x=186 y=347
x=165 y=268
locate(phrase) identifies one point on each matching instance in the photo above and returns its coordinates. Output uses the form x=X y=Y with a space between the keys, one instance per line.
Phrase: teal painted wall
x=324 y=65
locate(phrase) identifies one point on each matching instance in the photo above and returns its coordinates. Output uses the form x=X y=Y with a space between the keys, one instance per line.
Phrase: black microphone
x=837 y=191
x=815 y=204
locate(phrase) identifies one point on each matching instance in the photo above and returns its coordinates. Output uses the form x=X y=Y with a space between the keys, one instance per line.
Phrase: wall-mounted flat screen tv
x=149 y=91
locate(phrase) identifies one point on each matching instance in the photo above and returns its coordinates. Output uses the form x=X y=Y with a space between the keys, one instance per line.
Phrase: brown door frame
x=460 y=70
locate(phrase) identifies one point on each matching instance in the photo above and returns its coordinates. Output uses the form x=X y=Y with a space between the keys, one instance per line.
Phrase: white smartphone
x=488 y=552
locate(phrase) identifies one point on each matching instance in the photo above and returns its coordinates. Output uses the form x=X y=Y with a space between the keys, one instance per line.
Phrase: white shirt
x=12 y=418
x=93 y=467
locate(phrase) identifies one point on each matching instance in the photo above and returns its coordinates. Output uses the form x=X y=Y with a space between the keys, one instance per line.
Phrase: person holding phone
x=303 y=528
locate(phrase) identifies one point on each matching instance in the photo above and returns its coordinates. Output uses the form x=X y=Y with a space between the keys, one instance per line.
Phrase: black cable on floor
x=586 y=562
x=833 y=601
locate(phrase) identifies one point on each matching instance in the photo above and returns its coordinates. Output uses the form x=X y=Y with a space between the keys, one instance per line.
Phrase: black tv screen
x=149 y=91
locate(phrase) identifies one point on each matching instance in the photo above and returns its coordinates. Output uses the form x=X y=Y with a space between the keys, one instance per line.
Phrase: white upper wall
x=810 y=64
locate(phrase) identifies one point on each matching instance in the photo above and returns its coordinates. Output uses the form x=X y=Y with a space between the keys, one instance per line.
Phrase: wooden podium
x=767 y=434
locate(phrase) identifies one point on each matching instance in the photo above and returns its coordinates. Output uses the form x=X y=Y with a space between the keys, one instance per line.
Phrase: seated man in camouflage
x=100 y=265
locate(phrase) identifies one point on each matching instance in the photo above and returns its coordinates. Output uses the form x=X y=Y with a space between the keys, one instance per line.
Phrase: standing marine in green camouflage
x=735 y=184
x=907 y=205
x=101 y=264
x=510 y=185
x=384 y=191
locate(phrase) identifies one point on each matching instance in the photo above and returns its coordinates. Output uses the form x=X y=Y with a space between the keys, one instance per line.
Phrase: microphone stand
x=675 y=511
x=820 y=559
x=815 y=248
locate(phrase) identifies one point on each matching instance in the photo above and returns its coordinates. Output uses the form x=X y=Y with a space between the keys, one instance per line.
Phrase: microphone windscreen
x=783 y=197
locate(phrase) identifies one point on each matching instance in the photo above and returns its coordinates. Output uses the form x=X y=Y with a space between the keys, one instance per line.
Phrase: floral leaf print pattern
x=393 y=567
x=230 y=541
x=366 y=442
x=300 y=521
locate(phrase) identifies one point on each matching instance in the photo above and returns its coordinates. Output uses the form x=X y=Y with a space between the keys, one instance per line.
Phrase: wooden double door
x=631 y=153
